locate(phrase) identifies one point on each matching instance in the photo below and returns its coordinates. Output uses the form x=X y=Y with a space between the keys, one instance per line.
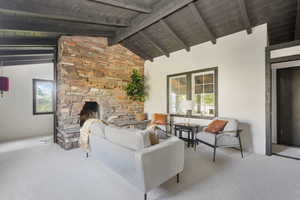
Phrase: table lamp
x=187 y=106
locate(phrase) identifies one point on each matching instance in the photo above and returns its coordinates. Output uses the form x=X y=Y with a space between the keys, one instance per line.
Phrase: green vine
x=136 y=89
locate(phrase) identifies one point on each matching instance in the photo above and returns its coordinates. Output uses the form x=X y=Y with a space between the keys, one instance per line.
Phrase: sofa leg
x=241 y=147
x=178 y=178
x=214 y=158
x=215 y=148
x=145 y=196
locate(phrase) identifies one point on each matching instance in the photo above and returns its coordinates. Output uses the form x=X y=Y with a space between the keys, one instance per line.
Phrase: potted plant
x=136 y=91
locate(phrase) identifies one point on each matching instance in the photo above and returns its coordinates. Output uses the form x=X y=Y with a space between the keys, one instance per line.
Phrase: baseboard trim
x=25 y=143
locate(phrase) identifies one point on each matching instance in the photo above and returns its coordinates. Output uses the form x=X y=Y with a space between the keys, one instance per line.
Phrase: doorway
x=286 y=116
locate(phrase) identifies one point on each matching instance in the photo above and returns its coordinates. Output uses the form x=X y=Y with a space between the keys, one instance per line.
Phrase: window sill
x=192 y=117
x=45 y=113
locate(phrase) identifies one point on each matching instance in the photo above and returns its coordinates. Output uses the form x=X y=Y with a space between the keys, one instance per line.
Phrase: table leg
x=194 y=141
x=189 y=138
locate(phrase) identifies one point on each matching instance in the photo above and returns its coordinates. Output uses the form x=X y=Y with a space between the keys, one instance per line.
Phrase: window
x=43 y=97
x=199 y=86
x=177 y=93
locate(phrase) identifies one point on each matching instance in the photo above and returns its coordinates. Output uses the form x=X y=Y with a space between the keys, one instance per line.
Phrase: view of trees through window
x=198 y=86
x=178 y=93
x=43 y=96
x=203 y=93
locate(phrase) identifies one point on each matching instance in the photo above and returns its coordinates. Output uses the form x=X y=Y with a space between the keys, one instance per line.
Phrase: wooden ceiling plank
x=297 y=26
x=111 y=21
x=154 y=44
x=160 y=10
x=196 y=14
x=244 y=15
x=142 y=52
x=174 y=35
x=126 y=5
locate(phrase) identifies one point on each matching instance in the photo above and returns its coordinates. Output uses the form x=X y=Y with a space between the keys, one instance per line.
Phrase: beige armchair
x=229 y=137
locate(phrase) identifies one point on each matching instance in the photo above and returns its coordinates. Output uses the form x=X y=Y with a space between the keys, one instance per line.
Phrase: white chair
x=229 y=137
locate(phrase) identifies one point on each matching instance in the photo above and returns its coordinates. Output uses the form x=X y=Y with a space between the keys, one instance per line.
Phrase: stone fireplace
x=90 y=71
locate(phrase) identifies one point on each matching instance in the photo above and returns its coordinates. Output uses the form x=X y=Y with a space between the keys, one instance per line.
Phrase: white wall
x=16 y=118
x=240 y=59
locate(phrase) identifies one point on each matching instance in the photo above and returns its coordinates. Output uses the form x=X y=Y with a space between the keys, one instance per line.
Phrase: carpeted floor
x=50 y=173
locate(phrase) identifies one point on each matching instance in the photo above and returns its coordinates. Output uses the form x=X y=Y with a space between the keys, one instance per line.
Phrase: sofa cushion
x=130 y=138
x=216 y=126
x=222 y=139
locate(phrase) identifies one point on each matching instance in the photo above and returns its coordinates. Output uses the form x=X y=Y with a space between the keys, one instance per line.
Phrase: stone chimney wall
x=90 y=70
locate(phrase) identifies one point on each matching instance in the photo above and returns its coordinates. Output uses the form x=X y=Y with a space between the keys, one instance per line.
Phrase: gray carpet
x=50 y=173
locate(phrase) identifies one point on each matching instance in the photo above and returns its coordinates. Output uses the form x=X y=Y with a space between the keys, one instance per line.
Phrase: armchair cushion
x=221 y=140
x=216 y=126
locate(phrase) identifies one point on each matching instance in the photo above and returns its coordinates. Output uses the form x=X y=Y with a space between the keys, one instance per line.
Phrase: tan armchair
x=229 y=137
x=160 y=121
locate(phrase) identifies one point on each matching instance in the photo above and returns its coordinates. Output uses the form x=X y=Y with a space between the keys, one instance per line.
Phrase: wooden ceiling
x=150 y=28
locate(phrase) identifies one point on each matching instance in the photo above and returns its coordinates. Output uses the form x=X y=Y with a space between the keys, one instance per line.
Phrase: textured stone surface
x=89 y=70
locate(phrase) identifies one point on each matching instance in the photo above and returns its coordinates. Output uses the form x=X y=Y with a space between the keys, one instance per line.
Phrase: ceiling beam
x=174 y=35
x=25 y=62
x=160 y=10
x=297 y=26
x=31 y=8
x=20 y=48
x=28 y=41
x=201 y=22
x=17 y=23
x=125 y=4
x=154 y=44
x=25 y=52
x=27 y=57
x=244 y=15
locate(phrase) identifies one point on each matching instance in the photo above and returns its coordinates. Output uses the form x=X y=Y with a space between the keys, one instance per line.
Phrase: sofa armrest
x=159 y=163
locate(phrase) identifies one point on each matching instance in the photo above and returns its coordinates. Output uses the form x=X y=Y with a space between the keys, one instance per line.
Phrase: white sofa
x=145 y=168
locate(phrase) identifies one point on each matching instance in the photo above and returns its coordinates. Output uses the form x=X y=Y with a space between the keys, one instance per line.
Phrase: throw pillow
x=154 y=138
x=216 y=126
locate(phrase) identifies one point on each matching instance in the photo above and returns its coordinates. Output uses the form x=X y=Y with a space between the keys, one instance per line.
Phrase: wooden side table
x=191 y=129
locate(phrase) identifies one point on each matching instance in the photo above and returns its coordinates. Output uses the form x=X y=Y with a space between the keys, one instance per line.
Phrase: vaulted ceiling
x=150 y=28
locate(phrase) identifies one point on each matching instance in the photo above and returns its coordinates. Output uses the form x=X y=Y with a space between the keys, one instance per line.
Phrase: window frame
x=189 y=91
x=34 y=85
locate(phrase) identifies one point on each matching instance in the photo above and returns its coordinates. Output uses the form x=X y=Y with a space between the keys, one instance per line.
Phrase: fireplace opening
x=89 y=110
